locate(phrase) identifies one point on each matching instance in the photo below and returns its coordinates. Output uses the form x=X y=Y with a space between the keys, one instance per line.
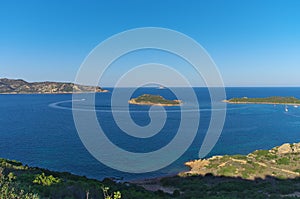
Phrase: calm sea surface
x=39 y=130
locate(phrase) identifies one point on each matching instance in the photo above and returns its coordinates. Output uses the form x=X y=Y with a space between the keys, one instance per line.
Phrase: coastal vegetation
x=262 y=174
x=267 y=100
x=280 y=162
x=157 y=100
x=18 y=181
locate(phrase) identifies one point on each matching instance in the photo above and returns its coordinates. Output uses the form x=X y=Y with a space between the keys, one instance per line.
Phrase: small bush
x=44 y=180
x=284 y=161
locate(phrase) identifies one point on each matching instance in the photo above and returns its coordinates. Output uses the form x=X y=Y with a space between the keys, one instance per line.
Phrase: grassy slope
x=262 y=174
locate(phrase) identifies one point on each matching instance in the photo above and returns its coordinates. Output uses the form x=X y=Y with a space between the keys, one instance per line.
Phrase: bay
x=39 y=130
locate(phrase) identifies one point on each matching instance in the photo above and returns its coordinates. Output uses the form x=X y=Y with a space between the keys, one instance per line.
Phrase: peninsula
x=267 y=100
x=280 y=162
x=273 y=173
x=155 y=100
x=19 y=86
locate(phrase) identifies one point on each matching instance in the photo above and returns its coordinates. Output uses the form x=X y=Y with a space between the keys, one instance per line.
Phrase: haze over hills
x=16 y=86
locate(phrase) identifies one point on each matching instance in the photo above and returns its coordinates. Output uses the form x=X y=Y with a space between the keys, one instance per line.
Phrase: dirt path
x=278 y=169
x=240 y=161
x=154 y=185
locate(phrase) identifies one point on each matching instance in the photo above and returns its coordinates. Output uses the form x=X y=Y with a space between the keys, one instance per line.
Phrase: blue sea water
x=39 y=130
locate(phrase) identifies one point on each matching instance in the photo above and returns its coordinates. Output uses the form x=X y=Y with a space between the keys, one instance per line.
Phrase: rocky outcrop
x=281 y=161
x=288 y=148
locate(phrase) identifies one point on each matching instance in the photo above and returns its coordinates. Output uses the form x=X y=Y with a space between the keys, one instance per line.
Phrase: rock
x=197 y=164
x=296 y=148
x=285 y=148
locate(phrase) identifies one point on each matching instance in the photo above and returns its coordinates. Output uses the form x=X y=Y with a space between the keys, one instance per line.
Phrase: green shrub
x=297 y=170
x=240 y=157
x=261 y=153
x=284 y=161
x=227 y=170
x=44 y=180
x=176 y=193
x=9 y=189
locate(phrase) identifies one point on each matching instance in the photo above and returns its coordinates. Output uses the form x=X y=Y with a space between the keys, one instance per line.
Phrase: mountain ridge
x=20 y=86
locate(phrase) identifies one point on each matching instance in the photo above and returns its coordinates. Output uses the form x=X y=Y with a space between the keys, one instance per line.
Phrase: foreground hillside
x=11 y=86
x=262 y=174
x=281 y=162
x=22 y=182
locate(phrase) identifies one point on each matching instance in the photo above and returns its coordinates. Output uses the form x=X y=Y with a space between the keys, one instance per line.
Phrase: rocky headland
x=281 y=162
x=19 y=86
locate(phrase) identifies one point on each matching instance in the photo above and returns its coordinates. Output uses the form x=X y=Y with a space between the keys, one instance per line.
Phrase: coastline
x=213 y=165
x=259 y=166
x=48 y=93
x=132 y=101
x=20 y=86
x=151 y=104
x=266 y=103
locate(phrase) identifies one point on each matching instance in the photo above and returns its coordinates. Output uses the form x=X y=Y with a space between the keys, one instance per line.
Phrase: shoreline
x=104 y=91
x=202 y=167
x=266 y=103
x=264 y=168
x=132 y=101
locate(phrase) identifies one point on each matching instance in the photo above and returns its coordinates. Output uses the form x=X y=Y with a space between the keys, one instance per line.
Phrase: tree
x=107 y=195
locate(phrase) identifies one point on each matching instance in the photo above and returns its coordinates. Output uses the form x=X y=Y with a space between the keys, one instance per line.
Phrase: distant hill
x=19 y=86
x=266 y=100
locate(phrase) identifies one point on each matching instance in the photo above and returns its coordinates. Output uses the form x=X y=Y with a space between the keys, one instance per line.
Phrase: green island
x=261 y=174
x=156 y=100
x=267 y=100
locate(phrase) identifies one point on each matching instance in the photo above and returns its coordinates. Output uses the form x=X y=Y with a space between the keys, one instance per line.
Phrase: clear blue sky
x=253 y=42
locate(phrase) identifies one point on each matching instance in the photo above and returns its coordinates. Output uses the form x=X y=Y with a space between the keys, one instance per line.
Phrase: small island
x=267 y=100
x=155 y=100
